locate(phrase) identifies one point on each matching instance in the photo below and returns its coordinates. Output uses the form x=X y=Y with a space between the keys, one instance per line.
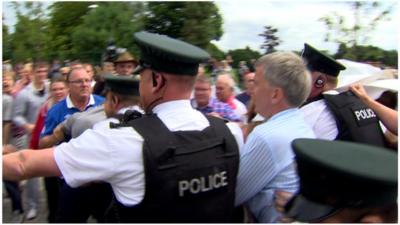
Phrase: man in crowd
x=125 y=64
x=187 y=147
x=282 y=84
x=79 y=99
x=205 y=103
x=25 y=110
x=245 y=96
x=12 y=187
x=225 y=92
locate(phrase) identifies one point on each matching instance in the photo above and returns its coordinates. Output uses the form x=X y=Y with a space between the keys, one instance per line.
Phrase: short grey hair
x=289 y=72
x=227 y=78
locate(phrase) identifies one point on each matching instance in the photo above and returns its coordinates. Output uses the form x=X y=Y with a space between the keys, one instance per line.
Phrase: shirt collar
x=172 y=106
x=134 y=107
x=284 y=113
x=71 y=105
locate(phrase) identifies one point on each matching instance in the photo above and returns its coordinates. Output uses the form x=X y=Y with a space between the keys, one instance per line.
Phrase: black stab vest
x=355 y=121
x=190 y=176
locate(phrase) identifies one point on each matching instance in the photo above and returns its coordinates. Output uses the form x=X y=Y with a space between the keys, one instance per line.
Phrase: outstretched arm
x=388 y=116
x=53 y=139
x=29 y=163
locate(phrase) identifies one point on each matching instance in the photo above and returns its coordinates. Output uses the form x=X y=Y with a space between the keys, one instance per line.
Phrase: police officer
x=336 y=116
x=344 y=182
x=172 y=165
x=77 y=204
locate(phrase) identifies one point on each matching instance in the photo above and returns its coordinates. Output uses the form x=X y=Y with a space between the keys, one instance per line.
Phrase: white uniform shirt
x=115 y=155
x=320 y=118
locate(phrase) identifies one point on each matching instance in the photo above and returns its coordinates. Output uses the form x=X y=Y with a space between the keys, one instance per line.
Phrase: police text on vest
x=363 y=114
x=203 y=184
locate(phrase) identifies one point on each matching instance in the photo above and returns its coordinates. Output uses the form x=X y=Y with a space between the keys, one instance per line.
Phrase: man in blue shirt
x=282 y=84
x=79 y=99
x=245 y=96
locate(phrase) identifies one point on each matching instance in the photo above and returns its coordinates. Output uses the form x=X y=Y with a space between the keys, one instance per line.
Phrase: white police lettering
x=203 y=184
x=364 y=114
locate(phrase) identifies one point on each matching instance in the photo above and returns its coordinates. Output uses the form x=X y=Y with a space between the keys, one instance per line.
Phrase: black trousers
x=52 y=185
x=14 y=192
x=77 y=204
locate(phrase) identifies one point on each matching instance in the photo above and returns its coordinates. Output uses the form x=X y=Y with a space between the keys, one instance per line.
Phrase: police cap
x=318 y=61
x=166 y=54
x=125 y=57
x=124 y=85
x=338 y=174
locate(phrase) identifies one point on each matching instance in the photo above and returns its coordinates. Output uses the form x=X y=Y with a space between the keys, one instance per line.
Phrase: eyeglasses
x=81 y=81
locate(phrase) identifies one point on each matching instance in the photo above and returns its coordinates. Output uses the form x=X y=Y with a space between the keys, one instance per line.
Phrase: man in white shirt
x=200 y=181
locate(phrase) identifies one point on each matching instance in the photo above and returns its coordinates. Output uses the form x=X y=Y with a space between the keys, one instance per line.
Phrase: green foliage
x=215 y=52
x=110 y=20
x=203 y=23
x=195 y=22
x=30 y=39
x=64 y=18
x=245 y=54
x=7 y=48
x=390 y=58
x=367 y=53
x=165 y=18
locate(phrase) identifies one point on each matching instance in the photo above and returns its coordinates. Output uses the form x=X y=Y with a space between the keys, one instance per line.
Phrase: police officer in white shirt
x=336 y=116
x=172 y=165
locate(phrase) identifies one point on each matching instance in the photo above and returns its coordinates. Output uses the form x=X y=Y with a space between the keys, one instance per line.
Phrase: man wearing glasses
x=79 y=99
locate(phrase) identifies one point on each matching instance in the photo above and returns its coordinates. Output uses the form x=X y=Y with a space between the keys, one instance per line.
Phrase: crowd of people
x=166 y=139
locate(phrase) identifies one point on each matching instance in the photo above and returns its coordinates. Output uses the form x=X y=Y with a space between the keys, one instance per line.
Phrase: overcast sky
x=297 y=22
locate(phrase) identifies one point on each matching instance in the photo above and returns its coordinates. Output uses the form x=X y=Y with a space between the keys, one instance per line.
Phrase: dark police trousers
x=355 y=121
x=77 y=204
x=190 y=176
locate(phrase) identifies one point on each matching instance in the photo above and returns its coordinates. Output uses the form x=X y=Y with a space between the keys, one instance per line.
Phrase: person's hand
x=281 y=198
x=29 y=128
x=359 y=90
x=9 y=149
x=58 y=133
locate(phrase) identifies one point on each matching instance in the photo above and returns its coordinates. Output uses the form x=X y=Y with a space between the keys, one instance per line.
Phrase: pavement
x=42 y=210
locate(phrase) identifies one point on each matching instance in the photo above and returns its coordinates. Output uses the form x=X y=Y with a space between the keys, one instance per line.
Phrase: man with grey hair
x=225 y=92
x=282 y=84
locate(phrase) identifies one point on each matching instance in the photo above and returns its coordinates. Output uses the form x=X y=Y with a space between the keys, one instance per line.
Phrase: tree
x=366 y=16
x=245 y=54
x=195 y=22
x=203 y=23
x=30 y=39
x=64 y=18
x=110 y=20
x=215 y=52
x=7 y=51
x=271 y=40
x=367 y=53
